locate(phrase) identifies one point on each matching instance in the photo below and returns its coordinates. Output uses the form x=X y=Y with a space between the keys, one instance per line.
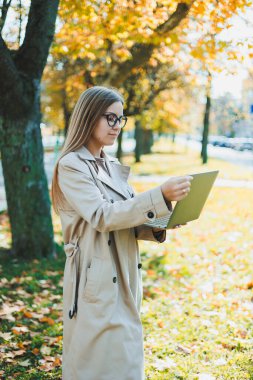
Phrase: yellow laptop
x=191 y=206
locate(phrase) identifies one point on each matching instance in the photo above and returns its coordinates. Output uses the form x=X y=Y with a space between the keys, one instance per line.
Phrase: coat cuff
x=144 y=232
x=160 y=236
x=153 y=205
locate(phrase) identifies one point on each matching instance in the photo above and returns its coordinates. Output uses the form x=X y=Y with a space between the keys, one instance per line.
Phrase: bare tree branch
x=20 y=22
x=4 y=11
x=161 y=78
x=19 y=70
x=174 y=20
x=32 y=56
x=11 y=89
x=141 y=52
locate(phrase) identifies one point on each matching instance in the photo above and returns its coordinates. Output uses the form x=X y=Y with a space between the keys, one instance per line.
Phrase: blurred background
x=191 y=80
x=185 y=69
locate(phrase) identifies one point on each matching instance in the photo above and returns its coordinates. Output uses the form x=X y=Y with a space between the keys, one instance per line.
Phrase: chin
x=110 y=143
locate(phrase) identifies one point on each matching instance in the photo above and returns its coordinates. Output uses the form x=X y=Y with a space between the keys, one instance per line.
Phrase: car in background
x=237 y=143
x=242 y=143
x=221 y=141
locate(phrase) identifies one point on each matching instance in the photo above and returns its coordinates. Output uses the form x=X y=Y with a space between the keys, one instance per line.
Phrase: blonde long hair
x=91 y=104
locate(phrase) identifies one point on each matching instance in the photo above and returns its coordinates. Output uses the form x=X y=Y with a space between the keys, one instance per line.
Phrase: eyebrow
x=112 y=113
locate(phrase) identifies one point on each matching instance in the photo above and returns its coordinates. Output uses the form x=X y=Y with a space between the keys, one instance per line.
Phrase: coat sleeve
x=85 y=198
x=144 y=232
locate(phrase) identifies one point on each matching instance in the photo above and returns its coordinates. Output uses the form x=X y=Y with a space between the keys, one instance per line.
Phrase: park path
x=220 y=182
x=156 y=179
x=50 y=158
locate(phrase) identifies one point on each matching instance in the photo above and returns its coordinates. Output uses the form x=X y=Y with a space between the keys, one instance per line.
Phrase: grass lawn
x=198 y=299
x=181 y=161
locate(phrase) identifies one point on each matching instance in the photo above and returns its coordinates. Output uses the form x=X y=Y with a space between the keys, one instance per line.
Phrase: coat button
x=114 y=279
x=139 y=266
x=109 y=242
x=151 y=214
x=112 y=201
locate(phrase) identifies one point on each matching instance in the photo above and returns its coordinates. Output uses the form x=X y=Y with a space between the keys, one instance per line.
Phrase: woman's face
x=103 y=134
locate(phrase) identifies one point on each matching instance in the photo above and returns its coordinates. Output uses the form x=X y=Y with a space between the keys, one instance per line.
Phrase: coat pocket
x=94 y=275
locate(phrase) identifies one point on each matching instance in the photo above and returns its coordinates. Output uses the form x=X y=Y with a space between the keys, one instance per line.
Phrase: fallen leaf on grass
x=6 y=336
x=206 y=376
x=25 y=363
x=9 y=355
x=51 y=273
x=19 y=352
x=57 y=362
x=163 y=364
x=220 y=361
x=28 y=314
x=241 y=333
x=49 y=362
x=183 y=349
x=19 y=330
x=228 y=346
x=7 y=312
x=46 y=367
x=48 y=320
x=45 y=350
x=23 y=344
x=249 y=285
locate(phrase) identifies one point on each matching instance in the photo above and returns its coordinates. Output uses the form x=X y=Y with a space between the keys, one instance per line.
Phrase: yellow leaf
x=48 y=320
x=28 y=314
x=57 y=362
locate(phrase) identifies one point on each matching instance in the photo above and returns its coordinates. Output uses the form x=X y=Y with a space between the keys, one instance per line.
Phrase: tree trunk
x=119 y=148
x=147 y=141
x=204 y=154
x=26 y=185
x=66 y=112
x=138 y=139
x=21 y=143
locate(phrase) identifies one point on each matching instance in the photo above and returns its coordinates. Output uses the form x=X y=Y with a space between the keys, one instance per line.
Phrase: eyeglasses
x=112 y=119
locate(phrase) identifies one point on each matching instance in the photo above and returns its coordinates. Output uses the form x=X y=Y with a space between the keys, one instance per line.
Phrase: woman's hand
x=176 y=188
x=179 y=225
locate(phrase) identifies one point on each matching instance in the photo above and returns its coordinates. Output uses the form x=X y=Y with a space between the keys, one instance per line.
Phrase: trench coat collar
x=118 y=173
x=85 y=154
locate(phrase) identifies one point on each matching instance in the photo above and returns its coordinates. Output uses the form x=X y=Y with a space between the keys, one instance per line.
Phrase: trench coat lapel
x=118 y=173
x=118 y=176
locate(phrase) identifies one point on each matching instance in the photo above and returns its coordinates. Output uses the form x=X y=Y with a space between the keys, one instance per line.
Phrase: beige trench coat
x=102 y=290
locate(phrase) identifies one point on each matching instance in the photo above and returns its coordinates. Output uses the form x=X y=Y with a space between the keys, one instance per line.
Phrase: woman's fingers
x=176 y=188
x=179 y=225
x=183 y=189
x=184 y=185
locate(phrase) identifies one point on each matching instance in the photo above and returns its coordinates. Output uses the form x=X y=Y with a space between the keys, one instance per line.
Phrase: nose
x=117 y=126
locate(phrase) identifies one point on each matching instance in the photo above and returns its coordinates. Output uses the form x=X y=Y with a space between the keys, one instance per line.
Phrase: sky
x=223 y=83
x=241 y=31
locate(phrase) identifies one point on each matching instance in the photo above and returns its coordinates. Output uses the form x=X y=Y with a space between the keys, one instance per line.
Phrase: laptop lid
x=191 y=206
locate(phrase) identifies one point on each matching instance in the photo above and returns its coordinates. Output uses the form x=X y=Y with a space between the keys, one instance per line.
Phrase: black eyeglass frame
x=119 y=119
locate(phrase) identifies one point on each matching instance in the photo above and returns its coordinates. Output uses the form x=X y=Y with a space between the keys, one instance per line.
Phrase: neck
x=94 y=149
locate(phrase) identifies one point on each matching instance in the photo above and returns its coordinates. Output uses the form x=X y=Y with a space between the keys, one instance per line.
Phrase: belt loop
x=75 y=262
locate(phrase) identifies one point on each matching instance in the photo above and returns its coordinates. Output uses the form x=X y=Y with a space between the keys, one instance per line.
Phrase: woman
x=102 y=220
